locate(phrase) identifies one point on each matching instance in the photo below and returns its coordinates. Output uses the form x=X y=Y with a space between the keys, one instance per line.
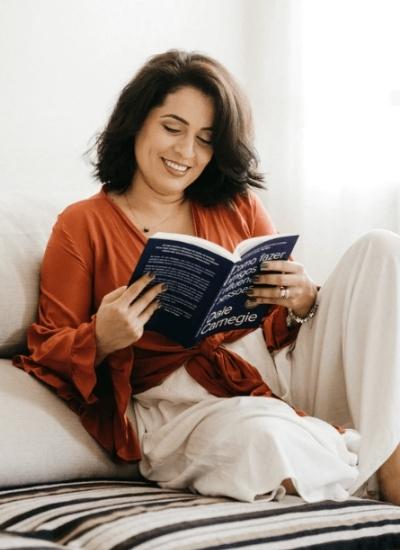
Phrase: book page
x=193 y=276
x=198 y=242
x=188 y=272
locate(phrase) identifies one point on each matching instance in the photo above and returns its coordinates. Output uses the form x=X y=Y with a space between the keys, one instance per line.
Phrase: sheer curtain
x=330 y=134
x=351 y=139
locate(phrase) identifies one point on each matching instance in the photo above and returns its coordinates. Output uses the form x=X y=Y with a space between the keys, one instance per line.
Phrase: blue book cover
x=206 y=283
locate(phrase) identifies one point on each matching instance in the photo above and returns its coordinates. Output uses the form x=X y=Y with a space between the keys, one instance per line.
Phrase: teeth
x=176 y=166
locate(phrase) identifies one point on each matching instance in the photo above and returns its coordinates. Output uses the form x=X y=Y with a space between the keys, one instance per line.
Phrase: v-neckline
x=135 y=228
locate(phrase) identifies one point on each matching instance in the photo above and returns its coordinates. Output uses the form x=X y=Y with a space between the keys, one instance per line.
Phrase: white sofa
x=59 y=489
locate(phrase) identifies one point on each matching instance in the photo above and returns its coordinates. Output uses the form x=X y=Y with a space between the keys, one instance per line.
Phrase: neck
x=151 y=210
x=146 y=199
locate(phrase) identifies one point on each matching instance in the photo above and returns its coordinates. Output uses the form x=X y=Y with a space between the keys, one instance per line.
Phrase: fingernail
x=151 y=275
x=256 y=279
x=158 y=304
x=250 y=303
x=164 y=287
x=250 y=291
x=264 y=265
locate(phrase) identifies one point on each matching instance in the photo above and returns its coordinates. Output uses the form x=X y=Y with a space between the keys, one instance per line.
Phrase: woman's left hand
x=288 y=285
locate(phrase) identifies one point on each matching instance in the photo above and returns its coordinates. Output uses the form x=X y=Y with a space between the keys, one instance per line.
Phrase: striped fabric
x=118 y=515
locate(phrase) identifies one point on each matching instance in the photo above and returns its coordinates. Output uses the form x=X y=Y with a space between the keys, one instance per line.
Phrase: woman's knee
x=384 y=243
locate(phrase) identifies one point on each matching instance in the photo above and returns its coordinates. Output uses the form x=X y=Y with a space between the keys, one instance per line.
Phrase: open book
x=206 y=283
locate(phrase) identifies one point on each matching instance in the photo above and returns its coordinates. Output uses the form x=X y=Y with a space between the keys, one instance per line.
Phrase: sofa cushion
x=42 y=440
x=100 y=515
x=25 y=225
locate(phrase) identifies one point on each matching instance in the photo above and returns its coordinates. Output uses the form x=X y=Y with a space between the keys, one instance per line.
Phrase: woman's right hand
x=122 y=315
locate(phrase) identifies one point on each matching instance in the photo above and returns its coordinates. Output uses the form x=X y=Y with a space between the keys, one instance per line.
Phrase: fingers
x=149 y=310
x=274 y=294
x=136 y=288
x=280 y=273
x=284 y=266
x=114 y=294
x=140 y=300
x=138 y=306
x=277 y=280
x=133 y=300
x=254 y=301
x=283 y=283
x=137 y=322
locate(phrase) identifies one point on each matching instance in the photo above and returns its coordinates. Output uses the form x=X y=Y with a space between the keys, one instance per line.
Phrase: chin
x=175 y=184
x=169 y=189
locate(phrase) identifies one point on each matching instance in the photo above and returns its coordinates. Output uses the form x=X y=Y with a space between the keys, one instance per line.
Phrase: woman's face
x=174 y=144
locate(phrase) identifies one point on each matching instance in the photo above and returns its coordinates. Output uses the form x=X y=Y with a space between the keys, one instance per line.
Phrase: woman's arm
x=64 y=342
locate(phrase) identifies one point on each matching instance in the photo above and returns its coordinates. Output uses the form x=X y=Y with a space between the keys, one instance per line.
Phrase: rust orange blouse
x=92 y=250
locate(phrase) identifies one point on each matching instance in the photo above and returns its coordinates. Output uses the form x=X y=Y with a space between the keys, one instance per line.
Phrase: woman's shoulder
x=251 y=209
x=84 y=206
x=84 y=210
x=246 y=200
x=247 y=205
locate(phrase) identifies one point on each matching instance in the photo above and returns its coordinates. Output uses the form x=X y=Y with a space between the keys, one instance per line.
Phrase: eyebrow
x=180 y=119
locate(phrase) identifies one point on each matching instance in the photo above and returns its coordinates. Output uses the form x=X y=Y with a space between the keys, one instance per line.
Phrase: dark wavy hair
x=233 y=167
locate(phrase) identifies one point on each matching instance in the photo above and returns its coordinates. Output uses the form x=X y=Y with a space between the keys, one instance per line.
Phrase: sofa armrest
x=42 y=440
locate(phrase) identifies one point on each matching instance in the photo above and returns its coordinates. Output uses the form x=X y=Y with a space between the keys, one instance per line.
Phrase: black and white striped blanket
x=118 y=515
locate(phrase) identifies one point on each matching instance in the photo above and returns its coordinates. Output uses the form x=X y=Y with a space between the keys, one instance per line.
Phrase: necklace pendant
x=146 y=229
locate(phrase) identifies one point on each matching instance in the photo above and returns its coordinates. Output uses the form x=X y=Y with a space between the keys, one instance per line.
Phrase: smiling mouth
x=181 y=168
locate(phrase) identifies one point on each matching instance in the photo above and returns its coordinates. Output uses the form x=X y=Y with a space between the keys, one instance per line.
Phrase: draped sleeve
x=62 y=343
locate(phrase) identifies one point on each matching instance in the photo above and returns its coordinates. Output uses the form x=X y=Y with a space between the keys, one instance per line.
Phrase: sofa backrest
x=25 y=226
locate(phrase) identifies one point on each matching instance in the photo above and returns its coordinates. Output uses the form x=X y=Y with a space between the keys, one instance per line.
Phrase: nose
x=185 y=146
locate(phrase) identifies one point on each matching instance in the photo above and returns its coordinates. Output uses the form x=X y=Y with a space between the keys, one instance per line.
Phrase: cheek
x=205 y=158
x=140 y=148
x=150 y=142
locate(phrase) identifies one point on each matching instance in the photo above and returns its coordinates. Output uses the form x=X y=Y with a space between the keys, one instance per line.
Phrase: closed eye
x=206 y=141
x=171 y=130
x=176 y=131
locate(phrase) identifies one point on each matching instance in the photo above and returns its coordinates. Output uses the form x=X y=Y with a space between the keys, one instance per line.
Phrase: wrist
x=293 y=319
x=312 y=298
x=103 y=348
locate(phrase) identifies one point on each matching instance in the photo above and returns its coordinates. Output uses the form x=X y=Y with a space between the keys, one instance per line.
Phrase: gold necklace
x=146 y=228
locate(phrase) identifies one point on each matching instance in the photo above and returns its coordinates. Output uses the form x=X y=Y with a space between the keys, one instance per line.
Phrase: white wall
x=63 y=63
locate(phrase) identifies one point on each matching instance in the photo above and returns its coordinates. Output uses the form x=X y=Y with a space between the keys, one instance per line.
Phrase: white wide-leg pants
x=345 y=366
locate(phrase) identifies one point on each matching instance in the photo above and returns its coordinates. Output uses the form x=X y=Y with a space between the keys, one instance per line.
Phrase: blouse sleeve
x=277 y=334
x=62 y=344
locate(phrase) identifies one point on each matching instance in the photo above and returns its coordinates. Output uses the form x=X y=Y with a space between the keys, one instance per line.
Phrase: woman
x=177 y=155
